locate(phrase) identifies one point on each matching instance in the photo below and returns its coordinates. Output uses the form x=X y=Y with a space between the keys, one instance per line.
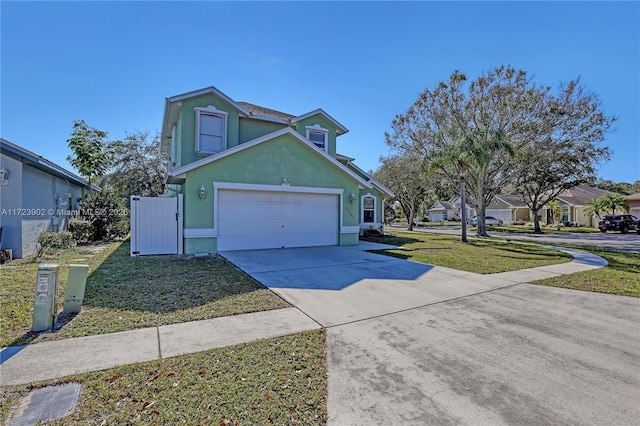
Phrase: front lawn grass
x=276 y=381
x=480 y=256
x=125 y=293
x=621 y=276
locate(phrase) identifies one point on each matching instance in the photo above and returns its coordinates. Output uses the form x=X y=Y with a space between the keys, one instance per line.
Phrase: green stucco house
x=252 y=177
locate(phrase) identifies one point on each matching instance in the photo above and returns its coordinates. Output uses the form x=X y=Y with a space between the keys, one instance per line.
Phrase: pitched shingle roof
x=582 y=194
x=445 y=204
x=268 y=112
x=515 y=200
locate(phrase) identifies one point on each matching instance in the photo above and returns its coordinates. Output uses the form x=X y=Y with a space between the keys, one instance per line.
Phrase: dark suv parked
x=619 y=222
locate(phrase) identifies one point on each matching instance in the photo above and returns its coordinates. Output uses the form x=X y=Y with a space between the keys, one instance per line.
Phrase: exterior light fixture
x=285 y=181
x=203 y=192
x=4 y=174
x=352 y=198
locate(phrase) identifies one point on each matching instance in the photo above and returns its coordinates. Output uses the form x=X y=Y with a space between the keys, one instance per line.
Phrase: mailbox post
x=45 y=309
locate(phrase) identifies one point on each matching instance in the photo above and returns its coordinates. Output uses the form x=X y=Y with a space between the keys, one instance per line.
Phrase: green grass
x=621 y=276
x=276 y=381
x=444 y=250
x=125 y=293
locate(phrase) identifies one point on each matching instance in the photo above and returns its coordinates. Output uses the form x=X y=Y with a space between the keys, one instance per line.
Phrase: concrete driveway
x=416 y=344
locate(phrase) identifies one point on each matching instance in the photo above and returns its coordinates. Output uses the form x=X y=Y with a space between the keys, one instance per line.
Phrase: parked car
x=488 y=220
x=619 y=222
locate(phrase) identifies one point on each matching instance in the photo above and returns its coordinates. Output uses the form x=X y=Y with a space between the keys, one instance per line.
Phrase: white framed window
x=318 y=135
x=368 y=207
x=211 y=130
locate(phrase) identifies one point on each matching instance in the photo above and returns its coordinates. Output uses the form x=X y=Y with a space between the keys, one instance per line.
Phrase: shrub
x=82 y=230
x=107 y=213
x=55 y=240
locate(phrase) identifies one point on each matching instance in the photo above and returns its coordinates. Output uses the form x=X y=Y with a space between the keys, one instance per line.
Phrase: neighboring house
x=573 y=202
x=509 y=208
x=253 y=177
x=634 y=204
x=512 y=208
x=36 y=195
x=448 y=210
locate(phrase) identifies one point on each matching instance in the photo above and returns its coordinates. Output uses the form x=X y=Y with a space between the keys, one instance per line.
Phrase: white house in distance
x=448 y=210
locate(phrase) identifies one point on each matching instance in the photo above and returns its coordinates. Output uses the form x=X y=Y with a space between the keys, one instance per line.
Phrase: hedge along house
x=36 y=195
x=252 y=177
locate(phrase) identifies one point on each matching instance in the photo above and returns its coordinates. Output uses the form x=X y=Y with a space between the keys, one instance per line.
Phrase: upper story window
x=318 y=136
x=211 y=130
x=368 y=209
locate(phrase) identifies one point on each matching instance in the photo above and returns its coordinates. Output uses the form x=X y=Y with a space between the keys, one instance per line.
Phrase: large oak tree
x=504 y=102
x=570 y=126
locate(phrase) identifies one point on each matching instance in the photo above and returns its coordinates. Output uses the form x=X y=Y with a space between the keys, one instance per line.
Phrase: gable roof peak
x=340 y=129
x=206 y=91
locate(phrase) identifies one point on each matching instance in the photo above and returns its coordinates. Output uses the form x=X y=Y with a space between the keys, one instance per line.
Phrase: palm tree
x=465 y=152
x=555 y=209
x=611 y=201
x=458 y=156
x=595 y=207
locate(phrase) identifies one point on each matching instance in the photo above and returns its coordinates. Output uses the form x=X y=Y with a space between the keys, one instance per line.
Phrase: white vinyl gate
x=156 y=225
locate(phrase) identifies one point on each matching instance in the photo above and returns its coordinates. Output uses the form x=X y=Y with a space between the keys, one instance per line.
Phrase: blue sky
x=113 y=63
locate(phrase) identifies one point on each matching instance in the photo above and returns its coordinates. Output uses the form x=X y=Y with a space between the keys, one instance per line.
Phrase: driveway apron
x=338 y=285
x=416 y=344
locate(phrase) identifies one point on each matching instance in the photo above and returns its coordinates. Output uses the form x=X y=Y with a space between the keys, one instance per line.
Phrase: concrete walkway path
x=59 y=358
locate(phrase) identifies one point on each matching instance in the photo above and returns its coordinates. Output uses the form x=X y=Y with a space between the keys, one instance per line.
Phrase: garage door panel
x=502 y=214
x=262 y=219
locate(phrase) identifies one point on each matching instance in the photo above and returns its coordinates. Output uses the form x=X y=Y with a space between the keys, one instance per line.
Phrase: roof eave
x=33 y=159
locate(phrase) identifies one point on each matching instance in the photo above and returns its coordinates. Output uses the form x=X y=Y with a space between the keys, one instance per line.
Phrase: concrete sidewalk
x=50 y=360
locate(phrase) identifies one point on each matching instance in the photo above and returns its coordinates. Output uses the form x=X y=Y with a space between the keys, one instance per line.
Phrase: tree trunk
x=536 y=222
x=463 y=209
x=410 y=219
x=482 y=227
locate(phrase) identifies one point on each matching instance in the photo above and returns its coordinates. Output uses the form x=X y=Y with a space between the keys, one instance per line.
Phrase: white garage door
x=502 y=214
x=262 y=219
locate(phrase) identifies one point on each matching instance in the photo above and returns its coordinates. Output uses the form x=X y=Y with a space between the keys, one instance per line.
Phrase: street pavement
x=611 y=240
